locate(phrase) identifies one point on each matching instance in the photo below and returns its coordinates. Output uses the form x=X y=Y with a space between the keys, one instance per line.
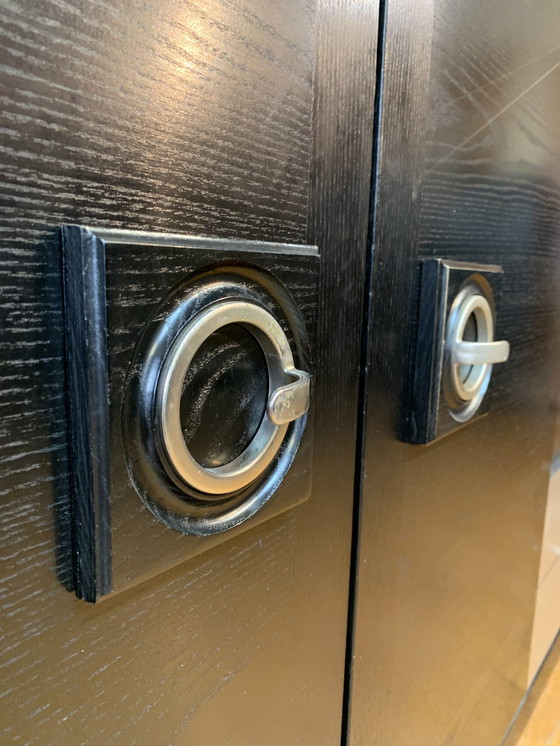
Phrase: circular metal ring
x=266 y=442
x=465 y=385
x=468 y=379
x=169 y=497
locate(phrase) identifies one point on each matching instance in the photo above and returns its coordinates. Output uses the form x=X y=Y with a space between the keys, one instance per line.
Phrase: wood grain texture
x=192 y=118
x=141 y=284
x=450 y=533
x=122 y=291
x=113 y=93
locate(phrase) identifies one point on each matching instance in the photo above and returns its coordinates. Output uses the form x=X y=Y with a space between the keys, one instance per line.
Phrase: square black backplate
x=428 y=416
x=113 y=281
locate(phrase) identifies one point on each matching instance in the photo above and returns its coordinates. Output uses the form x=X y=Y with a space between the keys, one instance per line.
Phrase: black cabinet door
x=241 y=120
x=450 y=532
x=255 y=120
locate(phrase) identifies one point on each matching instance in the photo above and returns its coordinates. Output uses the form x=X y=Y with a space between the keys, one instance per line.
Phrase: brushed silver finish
x=469 y=362
x=476 y=353
x=287 y=402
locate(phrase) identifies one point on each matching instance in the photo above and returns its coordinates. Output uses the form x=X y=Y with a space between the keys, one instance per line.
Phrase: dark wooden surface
x=86 y=372
x=147 y=275
x=192 y=118
x=450 y=533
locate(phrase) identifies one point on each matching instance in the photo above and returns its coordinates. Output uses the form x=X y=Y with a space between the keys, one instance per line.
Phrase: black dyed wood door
x=448 y=547
x=243 y=120
x=256 y=120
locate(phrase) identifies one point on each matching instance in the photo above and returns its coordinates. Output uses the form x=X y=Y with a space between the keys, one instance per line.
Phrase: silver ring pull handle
x=472 y=348
x=287 y=403
x=478 y=353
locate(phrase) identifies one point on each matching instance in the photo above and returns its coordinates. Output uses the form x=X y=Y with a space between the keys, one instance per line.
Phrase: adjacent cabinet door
x=449 y=539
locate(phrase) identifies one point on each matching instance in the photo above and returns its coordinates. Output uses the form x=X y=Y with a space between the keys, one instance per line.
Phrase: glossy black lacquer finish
x=247 y=120
x=469 y=164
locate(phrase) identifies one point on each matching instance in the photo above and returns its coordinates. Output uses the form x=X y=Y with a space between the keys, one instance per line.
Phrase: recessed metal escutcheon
x=471 y=351
x=455 y=349
x=286 y=403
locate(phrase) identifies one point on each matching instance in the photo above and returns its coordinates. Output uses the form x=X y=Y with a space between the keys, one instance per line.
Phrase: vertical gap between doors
x=364 y=356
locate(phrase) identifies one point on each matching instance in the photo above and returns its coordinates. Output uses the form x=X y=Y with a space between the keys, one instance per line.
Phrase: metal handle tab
x=287 y=403
x=479 y=353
